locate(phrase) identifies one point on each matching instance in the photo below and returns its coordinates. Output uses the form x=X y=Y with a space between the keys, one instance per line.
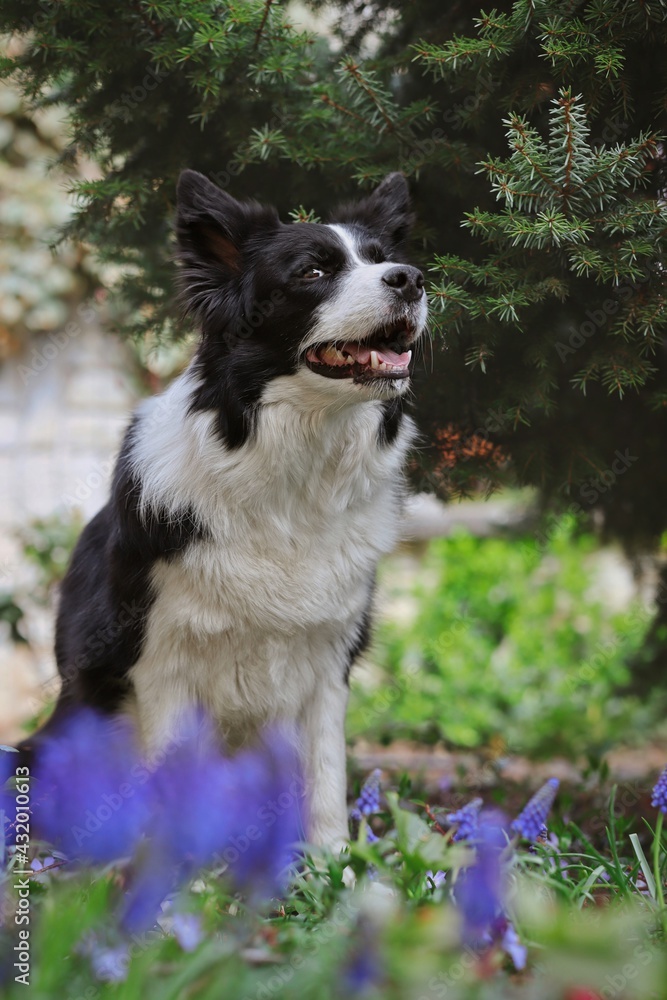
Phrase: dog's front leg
x=323 y=728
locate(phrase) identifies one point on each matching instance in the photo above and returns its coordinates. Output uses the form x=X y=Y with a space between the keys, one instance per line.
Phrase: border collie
x=233 y=566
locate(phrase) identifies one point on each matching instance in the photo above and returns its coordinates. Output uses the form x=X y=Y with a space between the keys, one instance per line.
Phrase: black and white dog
x=233 y=567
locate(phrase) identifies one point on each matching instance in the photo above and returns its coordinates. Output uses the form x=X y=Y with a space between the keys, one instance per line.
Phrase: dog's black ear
x=386 y=211
x=213 y=233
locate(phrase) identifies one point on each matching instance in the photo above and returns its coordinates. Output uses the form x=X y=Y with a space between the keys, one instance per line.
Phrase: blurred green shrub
x=510 y=644
x=48 y=544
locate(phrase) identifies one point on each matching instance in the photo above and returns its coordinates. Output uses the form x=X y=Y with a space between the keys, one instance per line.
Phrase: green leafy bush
x=510 y=640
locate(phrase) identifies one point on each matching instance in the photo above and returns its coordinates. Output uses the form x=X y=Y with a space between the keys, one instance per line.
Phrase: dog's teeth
x=332 y=356
x=375 y=363
x=409 y=356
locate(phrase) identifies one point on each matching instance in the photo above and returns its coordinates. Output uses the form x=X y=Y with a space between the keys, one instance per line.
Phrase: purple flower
x=275 y=808
x=480 y=894
x=435 y=879
x=542 y=839
x=513 y=947
x=197 y=796
x=109 y=962
x=86 y=799
x=480 y=890
x=366 y=804
x=110 y=965
x=38 y=865
x=466 y=820
x=153 y=879
x=355 y=822
x=369 y=796
x=243 y=812
x=98 y=799
x=187 y=930
x=659 y=799
x=531 y=821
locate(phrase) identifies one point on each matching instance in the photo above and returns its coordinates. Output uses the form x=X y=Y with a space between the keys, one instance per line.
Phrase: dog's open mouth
x=383 y=355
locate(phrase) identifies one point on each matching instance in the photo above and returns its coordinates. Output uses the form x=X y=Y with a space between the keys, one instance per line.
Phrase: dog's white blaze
x=255 y=621
x=350 y=243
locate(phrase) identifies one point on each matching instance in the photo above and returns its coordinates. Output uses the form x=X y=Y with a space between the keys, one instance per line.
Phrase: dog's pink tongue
x=359 y=353
x=363 y=355
x=392 y=358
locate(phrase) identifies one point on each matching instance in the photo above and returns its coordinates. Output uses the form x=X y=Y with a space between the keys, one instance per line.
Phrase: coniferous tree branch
x=530 y=134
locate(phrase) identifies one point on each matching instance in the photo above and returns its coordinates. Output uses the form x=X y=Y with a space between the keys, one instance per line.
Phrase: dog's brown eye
x=312 y=273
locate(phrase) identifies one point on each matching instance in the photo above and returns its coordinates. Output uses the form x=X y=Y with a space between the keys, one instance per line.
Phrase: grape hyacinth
x=466 y=820
x=531 y=820
x=97 y=799
x=77 y=802
x=367 y=804
x=371 y=838
x=369 y=796
x=480 y=891
x=659 y=795
x=542 y=840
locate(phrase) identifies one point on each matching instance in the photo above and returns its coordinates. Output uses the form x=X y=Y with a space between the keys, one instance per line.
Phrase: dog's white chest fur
x=249 y=620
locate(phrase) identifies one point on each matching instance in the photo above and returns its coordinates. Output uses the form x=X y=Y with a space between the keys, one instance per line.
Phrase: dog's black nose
x=407 y=281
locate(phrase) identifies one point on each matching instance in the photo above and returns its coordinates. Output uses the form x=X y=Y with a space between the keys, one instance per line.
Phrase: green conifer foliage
x=153 y=87
x=531 y=135
x=542 y=182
